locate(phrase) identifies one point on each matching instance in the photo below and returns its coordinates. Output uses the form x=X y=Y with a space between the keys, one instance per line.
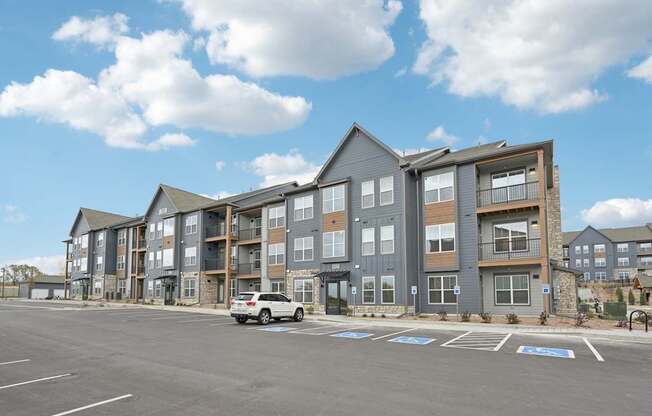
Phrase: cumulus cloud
x=276 y=169
x=316 y=39
x=219 y=195
x=439 y=134
x=11 y=214
x=619 y=212
x=102 y=31
x=642 y=71
x=152 y=85
x=46 y=264
x=410 y=151
x=542 y=55
x=219 y=165
x=401 y=72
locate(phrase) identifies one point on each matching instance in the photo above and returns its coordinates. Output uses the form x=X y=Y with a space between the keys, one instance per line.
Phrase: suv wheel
x=241 y=320
x=264 y=317
x=298 y=315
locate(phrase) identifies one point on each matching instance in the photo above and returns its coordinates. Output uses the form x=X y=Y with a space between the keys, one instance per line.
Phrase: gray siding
x=304 y=228
x=190 y=240
x=161 y=201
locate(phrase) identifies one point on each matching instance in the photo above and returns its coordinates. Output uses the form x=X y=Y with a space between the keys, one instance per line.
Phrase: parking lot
x=60 y=360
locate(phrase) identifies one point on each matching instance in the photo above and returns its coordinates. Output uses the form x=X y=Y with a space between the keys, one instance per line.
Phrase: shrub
x=630 y=297
x=543 y=318
x=382 y=315
x=619 y=295
x=364 y=315
x=642 y=298
x=310 y=309
x=443 y=316
x=486 y=317
x=373 y=315
x=466 y=316
x=581 y=319
x=349 y=311
x=512 y=318
x=622 y=323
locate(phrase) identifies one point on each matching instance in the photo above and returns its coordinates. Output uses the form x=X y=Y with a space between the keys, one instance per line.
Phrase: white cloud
x=619 y=212
x=532 y=54
x=152 y=85
x=102 y=31
x=46 y=264
x=642 y=71
x=439 y=134
x=12 y=214
x=320 y=40
x=410 y=151
x=276 y=169
x=219 y=165
x=401 y=72
x=219 y=195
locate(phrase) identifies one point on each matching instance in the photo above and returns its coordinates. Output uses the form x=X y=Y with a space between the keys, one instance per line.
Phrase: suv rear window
x=245 y=296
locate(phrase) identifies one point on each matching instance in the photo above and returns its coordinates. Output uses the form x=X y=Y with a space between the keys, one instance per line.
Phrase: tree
x=21 y=272
x=643 y=299
x=630 y=297
x=619 y=295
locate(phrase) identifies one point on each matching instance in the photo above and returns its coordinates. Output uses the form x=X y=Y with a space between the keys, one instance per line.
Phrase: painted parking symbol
x=353 y=335
x=546 y=352
x=412 y=340
x=276 y=329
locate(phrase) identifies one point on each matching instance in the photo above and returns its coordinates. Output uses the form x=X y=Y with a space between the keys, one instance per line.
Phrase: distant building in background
x=42 y=287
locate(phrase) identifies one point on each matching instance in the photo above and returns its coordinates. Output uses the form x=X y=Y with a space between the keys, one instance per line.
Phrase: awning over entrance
x=337 y=275
x=643 y=282
x=165 y=278
x=79 y=279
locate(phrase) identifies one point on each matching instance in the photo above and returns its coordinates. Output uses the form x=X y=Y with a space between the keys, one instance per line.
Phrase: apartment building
x=475 y=229
x=609 y=253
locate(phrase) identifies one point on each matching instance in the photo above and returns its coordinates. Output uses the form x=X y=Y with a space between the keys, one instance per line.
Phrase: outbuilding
x=42 y=287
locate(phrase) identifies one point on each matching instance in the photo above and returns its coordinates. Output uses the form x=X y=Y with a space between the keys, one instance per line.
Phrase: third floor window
x=276 y=216
x=438 y=188
x=303 y=208
x=333 y=199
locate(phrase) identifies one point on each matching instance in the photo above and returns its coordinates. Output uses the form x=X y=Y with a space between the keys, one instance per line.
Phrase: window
x=233 y=288
x=189 y=287
x=150 y=289
x=303 y=249
x=512 y=289
x=600 y=275
x=84 y=264
x=98 y=288
x=438 y=188
x=122 y=237
x=333 y=199
x=278 y=286
x=578 y=250
x=276 y=216
x=303 y=290
x=121 y=263
x=440 y=238
x=566 y=263
x=368 y=289
x=646 y=261
x=168 y=227
x=565 y=252
x=303 y=208
x=510 y=237
x=387 y=289
x=368 y=198
x=152 y=231
x=585 y=249
x=387 y=190
x=586 y=262
x=600 y=262
x=368 y=241
x=150 y=264
x=587 y=275
x=191 y=224
x=162 y=211
x=623 y=261
x=159 y=259
x=441 y=289
x=508 y=186
x=100 y=239
x=623 y=275
x=190 y=256
x=387 y=239
x=578 y=262
x=622 y=247
x=157 y=288
x=99 y=265
x=159 y=229
x=276 y=254
x=122 y=287
x=168 y=257
x=645 y=247
x=84 y=241
x=333 y=244
x=598 y=248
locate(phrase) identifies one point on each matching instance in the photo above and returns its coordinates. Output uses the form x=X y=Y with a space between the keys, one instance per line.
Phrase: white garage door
x=58 y=293
x=40 y=293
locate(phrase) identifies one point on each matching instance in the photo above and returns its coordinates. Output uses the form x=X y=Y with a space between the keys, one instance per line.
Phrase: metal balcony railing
x=248 y=268
x=215 y=231
x=504 y=249
x=506 y=194
x=250 y=233
x=214 y=264
x=644 y=250
x=645 y=264
x=142 y=243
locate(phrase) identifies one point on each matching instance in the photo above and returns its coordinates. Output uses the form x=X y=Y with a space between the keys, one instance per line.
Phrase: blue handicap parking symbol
x=546 y=352
x=276 y=329
x=412 y=340
x=354 y=335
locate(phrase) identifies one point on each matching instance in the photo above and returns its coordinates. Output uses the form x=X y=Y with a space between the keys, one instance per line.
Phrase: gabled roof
x=98 y=220
x=234 y=199
x=355 y=128
x=182 y=201
x=616 y=235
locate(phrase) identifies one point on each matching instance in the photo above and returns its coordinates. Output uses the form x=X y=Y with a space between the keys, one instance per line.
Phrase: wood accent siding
x=276 y=235
x=168 y=242
x=439 y=213
x=121 y=250
x=276 y=271
x=439 y=260
x=334 y=221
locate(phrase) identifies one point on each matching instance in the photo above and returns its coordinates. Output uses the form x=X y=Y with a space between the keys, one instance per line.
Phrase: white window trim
x=304 y=207
x=192 y=259
x=511 y=290
x=191 y=225
x=393 y=290
x=373 y=290
x=187 y=288
x=436 y=179
x=276 y=213
x=168 y=230
x=442 y=290
x=393 y=240
x=332 y=253
x=168 y=263
x=331 y=208
x=373 y=242
x=303 y=290
x=372 y=193
x=391 y=189
x=303 y=249
x=273 y=250
x=439 y=226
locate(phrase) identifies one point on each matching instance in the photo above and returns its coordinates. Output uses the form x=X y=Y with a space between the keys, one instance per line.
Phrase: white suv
x=264 y=306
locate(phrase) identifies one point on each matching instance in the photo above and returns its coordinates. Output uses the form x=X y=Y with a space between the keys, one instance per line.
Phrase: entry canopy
x=338 y=275
x=165 y=277
x=642 y=282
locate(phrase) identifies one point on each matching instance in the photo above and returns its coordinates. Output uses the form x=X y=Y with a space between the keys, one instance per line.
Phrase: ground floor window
x=122 y=287
x=233 y=288
x=601 y=275
x=387 y=289
x=157 y=289
x=623 y=275
x=512 y=289
x=278 y=286
x=150 y=289
x=303 y=290
x=256 y=285
x=440 y=289
x=97 y=288
x=369 y=289
x=189 y=288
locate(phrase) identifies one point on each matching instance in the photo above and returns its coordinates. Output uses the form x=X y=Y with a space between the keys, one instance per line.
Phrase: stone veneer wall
x=296 y=274
x=198 y=288
x=567 y=304
x=555 y=241
x=380 y=309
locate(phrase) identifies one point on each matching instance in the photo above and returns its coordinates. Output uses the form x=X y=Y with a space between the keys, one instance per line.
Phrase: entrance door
x=336 y=297
x=139 y=288
x=169 y=293
x=84 y=286
x=220 y=290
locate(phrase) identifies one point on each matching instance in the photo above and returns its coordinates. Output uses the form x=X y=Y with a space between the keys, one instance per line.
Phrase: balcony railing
x=215 y=231
x=516 y=248
x=248 y=268
x=506 y=194
x=250 y=233
x=142 y=243
x=644 y=250
x=214 y=264
x=138 y=270
x=645 y=264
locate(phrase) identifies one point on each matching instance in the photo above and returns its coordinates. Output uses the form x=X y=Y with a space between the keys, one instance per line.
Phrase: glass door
x=332 y=298
x=220 y=290
x=508 y=186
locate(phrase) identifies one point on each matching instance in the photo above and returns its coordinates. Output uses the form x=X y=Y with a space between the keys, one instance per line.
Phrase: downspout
x=404 y=256
x=419 y=226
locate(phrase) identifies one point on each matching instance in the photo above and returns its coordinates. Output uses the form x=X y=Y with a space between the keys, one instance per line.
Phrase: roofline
x=229 y=200
x=586 y=228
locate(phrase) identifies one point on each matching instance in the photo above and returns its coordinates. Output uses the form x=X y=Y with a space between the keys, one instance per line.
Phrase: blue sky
x=295 y=78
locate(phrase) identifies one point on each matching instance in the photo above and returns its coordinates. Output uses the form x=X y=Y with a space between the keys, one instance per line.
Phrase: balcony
x=215 y=232
x=140 y=270
x=509 y=252
x=644 y=264
x=644 y=250
x=245 y=270
x=509 y=197
x=250 y=234
x=214 y=265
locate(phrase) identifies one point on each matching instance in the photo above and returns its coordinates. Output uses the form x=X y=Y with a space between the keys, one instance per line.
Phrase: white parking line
x=79 y=409
x=593 y=350
x=35 y=381
x=392 y=334
x=312 y=328
x=499 y=346
x=222 y=323
x=455 y=339
x=15 y=362
x=346 y=329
